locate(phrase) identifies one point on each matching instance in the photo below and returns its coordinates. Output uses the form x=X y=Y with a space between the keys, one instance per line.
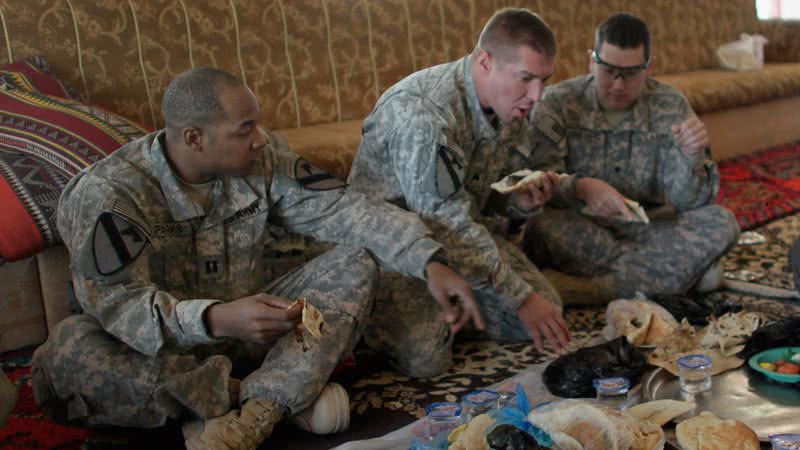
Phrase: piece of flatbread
x=660 y=412
x=311 y=321
x=519 y=181
x=643 y=322
x=638 y=213
x=730 y=331
x=707 y=431
x=594 y=427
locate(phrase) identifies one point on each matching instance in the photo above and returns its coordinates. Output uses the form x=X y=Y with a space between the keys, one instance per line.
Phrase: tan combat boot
x=575 y=290
x=330 y=412
x=236 y=430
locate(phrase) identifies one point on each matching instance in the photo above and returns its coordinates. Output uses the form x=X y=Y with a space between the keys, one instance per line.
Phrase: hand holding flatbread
x=312 y=321
x=521 y=179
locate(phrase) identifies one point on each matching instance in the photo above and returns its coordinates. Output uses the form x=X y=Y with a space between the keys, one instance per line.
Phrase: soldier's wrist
x=440 y=256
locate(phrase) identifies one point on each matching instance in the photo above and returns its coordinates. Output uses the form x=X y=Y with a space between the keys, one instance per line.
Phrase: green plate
x=771 y=356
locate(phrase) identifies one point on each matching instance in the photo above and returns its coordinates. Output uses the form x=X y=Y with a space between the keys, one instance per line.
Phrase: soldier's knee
x=362 y=266
x=428 y=365
x=725 y=224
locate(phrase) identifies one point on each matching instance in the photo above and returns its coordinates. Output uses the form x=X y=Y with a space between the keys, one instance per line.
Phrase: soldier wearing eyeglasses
x=623 y=134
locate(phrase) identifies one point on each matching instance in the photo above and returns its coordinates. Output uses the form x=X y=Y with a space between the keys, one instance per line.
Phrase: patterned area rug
x=383 y=400
x=762 y=186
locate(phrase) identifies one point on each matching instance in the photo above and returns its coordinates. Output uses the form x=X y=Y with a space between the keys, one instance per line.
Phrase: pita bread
x=730 y=331
x=473 y=436
x=642 y=322
x=597 y=428
x=519 y=181
x=660 y=412
x=311 y=321
x=708 y=432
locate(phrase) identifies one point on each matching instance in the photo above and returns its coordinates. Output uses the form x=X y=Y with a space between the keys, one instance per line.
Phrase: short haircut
x=624 y=31
x=192 y=98
x=511 y=28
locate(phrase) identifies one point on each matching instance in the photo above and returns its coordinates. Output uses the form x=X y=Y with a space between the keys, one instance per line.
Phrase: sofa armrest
x=784 y=40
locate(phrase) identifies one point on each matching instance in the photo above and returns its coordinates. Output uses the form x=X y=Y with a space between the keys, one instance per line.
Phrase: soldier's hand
x=602 y=199
x=536 y=196
x=543 y=319
x=259 y=318
x=691 y=136
x=454 y=295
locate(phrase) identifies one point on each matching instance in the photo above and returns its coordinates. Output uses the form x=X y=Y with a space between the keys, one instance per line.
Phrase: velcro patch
x=550 y=128
x=117 y=242
x=312 y=177
x=450 y=167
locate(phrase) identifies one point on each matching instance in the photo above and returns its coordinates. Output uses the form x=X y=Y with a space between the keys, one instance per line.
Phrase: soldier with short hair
x=625 y=135
x=175 y=244
x=433 y=144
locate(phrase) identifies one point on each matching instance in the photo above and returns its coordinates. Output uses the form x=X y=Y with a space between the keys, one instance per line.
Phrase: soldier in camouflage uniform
x=622 y=133
x=173 y=242
x=432 y=145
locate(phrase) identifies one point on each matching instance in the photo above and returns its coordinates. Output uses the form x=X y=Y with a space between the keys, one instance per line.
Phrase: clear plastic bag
x=745 y=54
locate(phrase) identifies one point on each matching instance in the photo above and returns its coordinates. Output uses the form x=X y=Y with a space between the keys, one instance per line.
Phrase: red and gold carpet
x=763 y=186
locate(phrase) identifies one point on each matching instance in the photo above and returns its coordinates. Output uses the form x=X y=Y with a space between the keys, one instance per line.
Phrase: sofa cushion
x=33 y=74
x=713 y=90
x=330 y=146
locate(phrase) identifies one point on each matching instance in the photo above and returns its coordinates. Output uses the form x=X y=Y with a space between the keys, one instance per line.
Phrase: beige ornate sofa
x=318 y=66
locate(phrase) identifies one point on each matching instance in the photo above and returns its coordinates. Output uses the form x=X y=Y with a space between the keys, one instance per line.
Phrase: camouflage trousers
x=407 y=324
x=667 y=256
x=86 y=375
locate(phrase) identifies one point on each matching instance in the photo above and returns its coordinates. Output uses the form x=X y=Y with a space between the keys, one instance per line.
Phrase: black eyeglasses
x=615 y=72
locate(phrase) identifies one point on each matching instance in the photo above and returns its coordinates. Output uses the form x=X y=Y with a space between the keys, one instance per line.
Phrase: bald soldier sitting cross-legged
x=172 y=240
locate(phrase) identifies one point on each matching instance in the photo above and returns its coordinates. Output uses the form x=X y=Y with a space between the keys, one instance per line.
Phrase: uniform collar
x=229 y=194
x=481 y=127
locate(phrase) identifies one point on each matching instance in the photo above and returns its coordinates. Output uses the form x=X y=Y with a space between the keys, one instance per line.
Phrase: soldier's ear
x=591 y=60
x=484 y=60
x=193 y=138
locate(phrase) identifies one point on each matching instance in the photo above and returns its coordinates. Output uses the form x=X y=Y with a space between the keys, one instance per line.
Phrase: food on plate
x=595 y=427
x=685 y=341
x=707 y=431
x=473 y=436
x=730 y=332
x=519 y=181
x=642 y=322
x=660 y=412
x=311 y=321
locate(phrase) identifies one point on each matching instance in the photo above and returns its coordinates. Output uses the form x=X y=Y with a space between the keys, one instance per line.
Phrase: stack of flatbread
x=643 y=322
x=311 y=322
x=707 y=431
x=519 y=181
x=722 y=339
x=579 y=425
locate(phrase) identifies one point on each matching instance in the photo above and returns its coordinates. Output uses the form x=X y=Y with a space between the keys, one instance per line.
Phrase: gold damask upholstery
x=316 y=65
x=711 y=90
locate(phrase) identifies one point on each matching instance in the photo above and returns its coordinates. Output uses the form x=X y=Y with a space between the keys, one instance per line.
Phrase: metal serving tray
x=766 y=406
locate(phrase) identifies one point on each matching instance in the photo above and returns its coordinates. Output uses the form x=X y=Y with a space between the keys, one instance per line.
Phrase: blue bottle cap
x=697 y=361
x=613 y=385
x=481 y=397
x=786 y=441
x=443 y=410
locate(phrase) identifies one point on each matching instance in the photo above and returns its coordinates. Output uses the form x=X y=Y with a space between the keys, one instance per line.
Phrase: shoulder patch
x=450 y=165
x=548 y=126
x=312 y=177
x=117 y=241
